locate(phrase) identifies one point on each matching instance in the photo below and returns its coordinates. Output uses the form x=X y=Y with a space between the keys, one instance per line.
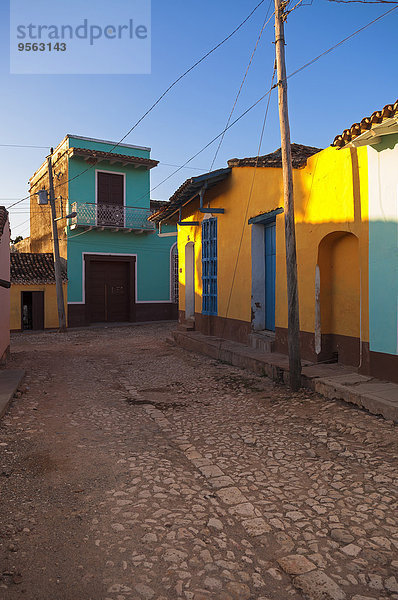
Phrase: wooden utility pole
x=57 y=260
x=290 y=234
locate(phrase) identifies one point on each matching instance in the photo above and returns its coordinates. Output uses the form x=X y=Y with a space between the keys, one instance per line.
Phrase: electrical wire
x=311 y=62
x=247 y=206
x=22 y=146
x=171 y=86
x=305 y=66
x=265 y=23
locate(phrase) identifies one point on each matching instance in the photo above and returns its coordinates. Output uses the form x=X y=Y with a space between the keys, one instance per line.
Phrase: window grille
x=209 y=267
x=174 y=274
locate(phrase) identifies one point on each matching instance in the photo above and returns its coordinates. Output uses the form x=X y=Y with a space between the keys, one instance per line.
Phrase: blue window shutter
x=209 y=267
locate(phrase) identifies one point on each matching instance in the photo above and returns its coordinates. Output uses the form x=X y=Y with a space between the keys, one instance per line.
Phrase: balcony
x=111 y=216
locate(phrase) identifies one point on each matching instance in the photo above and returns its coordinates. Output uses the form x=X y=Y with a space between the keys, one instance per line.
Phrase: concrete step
x=188 y=325
x=263 y=341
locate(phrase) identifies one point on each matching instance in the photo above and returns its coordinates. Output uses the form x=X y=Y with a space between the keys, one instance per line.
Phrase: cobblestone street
x=133 y=470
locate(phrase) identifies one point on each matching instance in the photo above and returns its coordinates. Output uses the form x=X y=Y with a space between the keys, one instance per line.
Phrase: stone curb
x=10 y=380
x=275 y=366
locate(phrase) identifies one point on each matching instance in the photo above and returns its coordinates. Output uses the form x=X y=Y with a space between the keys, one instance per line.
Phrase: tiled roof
x=188 y=190
x=3 y=218
x=376 y=118
x=300 y=154
x=29 y=268
x=156 y=205
x=98 y=155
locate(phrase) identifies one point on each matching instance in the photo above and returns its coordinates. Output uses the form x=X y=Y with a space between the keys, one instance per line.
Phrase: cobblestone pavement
x=133 y=470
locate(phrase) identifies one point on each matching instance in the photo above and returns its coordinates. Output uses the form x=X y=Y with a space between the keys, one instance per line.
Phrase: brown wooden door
x=109 y=290
x=37 y=310
x=110 y=198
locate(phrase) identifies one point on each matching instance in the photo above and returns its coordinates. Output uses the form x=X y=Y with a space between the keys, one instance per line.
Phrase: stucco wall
x=152 y=264
x=330 y=195
x=50 y=304
x=4 y=293
x=153 y=252
x=40 y=215
x=383 y=245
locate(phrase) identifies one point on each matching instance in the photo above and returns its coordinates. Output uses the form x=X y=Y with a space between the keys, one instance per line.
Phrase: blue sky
x=341 y=88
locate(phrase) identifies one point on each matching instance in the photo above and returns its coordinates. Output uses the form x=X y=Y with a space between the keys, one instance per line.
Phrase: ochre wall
x=330 y=195
x=50 y=304
x=40 y=215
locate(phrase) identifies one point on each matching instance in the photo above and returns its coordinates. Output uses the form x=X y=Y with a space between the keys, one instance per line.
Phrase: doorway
x=32 y=310
x=110 y=292
x=269 y=279
x=189 y=281
x=263 y=252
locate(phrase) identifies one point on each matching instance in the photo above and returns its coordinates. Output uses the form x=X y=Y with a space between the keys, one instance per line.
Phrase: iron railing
x=111 y=216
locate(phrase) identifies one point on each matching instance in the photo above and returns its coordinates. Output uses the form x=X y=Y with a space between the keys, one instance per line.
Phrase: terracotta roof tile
x=348 y=135
x=300 y=155
x=29 y=268
x=156 y=205
x=189 y=189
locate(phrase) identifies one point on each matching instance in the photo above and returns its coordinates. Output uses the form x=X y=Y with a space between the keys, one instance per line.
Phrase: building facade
x=231 y=244
x=119 y=269
x=4 y=285
x=33 y=298
x=377 y=135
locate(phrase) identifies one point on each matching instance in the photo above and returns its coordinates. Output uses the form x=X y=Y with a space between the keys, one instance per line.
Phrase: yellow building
x=231 y=247
x=33 y=294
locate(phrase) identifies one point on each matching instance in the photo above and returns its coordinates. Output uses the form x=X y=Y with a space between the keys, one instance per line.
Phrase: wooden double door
x=110 y=289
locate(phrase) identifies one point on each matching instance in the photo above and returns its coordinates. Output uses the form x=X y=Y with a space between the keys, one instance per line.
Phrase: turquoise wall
x=152 y=266
x=383 y=246
x=82 y=189
x=153 y=253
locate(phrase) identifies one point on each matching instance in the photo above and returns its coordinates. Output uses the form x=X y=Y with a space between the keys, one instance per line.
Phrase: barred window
x=209 y=266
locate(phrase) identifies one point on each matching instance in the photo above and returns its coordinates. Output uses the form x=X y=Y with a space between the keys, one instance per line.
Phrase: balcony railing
x=111 y=216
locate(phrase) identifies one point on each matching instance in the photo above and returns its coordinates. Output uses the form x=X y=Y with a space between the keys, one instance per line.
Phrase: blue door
x=270 y=269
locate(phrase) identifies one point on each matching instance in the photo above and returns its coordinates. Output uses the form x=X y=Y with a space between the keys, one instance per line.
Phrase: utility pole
x=57 y=260
x=290 y=235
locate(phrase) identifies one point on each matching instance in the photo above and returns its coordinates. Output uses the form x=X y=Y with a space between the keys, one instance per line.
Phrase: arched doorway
x=189 y=281
x=339 y=298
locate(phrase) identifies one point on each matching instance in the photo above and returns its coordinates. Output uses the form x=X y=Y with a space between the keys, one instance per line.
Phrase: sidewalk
x=334 y=381
x=9 y=383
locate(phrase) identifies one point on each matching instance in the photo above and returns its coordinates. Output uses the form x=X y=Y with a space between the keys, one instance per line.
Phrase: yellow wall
x=330 y=195
x=50 y=304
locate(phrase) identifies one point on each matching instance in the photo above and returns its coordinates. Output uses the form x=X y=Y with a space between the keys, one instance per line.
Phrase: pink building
x=4 y=285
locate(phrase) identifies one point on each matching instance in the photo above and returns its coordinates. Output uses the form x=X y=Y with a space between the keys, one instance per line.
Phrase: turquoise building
x=119 y=268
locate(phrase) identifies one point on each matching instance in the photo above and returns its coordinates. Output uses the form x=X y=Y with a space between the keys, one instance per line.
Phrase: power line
x=248 y=205
x=22 y=146
x=242 y=82
x=306 y=65
x=365 y=1
x=311 y=62
x=198 y=62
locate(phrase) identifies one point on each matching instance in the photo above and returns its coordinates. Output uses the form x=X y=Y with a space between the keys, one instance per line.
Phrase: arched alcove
x=339 y=297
